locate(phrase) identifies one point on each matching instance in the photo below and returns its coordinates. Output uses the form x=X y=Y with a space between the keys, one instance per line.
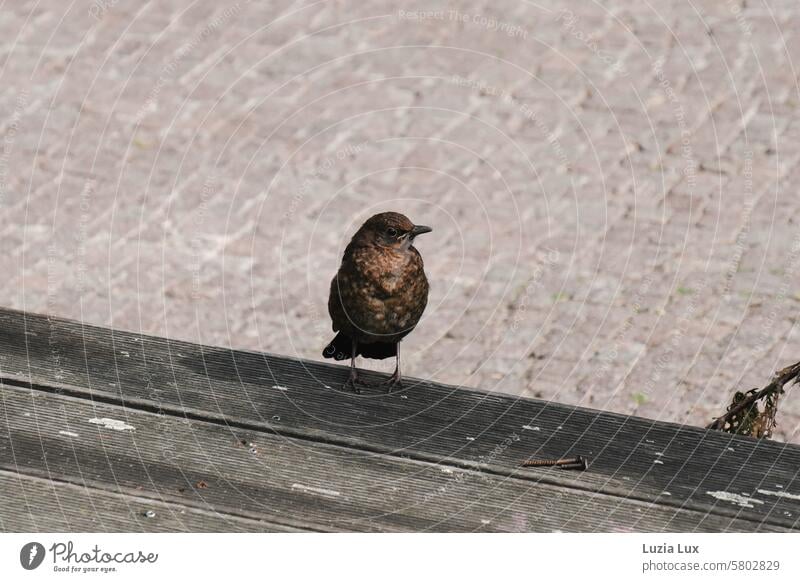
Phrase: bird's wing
x=334 y=303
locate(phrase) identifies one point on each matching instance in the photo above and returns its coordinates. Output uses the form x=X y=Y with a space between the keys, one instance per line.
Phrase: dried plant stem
x=783 y=377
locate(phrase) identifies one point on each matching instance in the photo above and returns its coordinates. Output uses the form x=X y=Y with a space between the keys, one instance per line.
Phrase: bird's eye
x=392 y=232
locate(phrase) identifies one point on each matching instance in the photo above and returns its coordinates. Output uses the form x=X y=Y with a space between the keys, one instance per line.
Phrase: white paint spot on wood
x=470 y=438
x=666 y=493
x=319 y=490
x=284 y=388
x=782 y=494
x=734 y=498
x=68 y=433
x=529 y=427
x=485 y=521
x=658 y=462
x=447 y=470
x=731 y=449
x=659 y=454
x=112 y=424
x=125 y=353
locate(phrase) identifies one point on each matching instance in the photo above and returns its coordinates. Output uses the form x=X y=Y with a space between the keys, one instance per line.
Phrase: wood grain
x=46 y=505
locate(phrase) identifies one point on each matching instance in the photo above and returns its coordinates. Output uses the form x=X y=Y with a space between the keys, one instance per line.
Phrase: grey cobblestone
x=195 y=169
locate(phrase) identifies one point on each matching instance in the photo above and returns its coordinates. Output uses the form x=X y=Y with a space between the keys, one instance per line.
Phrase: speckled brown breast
x=378 y=294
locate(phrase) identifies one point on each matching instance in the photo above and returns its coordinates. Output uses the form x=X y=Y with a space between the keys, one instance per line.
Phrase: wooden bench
x=103 y=430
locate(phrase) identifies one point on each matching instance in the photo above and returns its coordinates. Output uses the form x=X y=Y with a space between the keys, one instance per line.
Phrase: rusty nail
x=575 y=463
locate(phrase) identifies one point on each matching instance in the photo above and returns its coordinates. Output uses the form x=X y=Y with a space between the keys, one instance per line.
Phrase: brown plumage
x=379 y=293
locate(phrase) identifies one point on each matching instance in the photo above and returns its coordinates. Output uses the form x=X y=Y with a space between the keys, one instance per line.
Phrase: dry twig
x=744 y=406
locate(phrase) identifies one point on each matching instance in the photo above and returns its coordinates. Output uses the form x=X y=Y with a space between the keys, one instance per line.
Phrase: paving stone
x=612 y=197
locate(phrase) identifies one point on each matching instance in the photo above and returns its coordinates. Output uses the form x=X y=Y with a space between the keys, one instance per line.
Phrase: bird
x=378 y=295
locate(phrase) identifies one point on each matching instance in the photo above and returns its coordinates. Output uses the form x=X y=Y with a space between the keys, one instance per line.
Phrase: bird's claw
x=391 y=384
x=353 y=385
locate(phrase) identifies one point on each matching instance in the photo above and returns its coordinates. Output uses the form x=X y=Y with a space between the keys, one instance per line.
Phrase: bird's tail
x=341 y=348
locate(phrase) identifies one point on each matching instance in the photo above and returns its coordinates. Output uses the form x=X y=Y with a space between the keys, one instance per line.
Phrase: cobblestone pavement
x=613 y=188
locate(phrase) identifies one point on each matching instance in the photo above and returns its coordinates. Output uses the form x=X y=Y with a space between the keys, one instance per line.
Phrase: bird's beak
x=419 y=229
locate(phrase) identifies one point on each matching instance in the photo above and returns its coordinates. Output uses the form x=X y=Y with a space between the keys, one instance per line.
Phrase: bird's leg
x=352 y=379
x=396 y=380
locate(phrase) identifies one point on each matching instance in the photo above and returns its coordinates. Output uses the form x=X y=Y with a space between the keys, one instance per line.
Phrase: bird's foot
x=393 y=383
x=353 y=384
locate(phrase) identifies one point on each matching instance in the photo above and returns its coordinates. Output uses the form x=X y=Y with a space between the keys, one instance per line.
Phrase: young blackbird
x=379 y=293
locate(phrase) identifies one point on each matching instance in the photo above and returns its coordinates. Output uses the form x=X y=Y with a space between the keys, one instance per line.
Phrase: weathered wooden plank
x=631 y=457
x=32 y=504
x=298 y=482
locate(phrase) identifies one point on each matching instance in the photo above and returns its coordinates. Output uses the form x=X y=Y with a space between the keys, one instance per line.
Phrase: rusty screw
x=578 y=462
